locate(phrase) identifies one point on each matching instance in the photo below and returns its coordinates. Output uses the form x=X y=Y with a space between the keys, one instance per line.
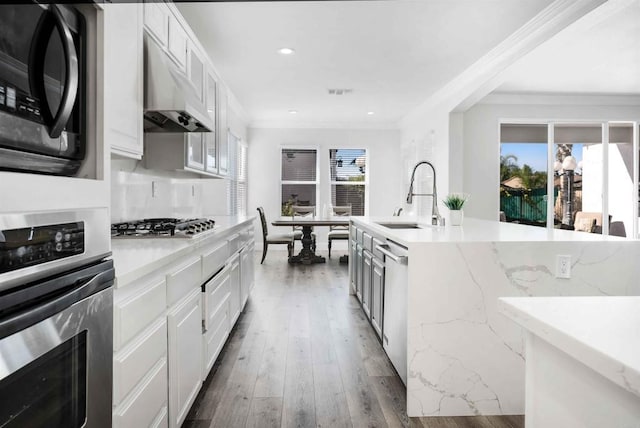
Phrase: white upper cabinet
x=156 y=18
x=177 y=41
x=195 y=151
x=196 y=72
x=123 y=78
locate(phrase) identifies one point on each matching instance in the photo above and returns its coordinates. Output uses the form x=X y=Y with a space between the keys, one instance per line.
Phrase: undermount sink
x=401 y=225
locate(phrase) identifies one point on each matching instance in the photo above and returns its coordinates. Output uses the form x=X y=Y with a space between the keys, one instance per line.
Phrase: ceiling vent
x=340 y=91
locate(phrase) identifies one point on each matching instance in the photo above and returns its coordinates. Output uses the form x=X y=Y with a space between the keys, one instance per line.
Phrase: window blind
x=348 y=168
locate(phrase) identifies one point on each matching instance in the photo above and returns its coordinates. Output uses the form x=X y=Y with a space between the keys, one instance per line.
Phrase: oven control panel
x=29 y=246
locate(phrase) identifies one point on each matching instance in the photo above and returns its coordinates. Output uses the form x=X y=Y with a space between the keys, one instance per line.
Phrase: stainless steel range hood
x=170 y=101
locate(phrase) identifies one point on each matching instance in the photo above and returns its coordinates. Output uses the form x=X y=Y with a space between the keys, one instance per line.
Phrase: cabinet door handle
x=384 y=249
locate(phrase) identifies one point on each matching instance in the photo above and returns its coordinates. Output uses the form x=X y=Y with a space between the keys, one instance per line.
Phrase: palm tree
x=508 y=166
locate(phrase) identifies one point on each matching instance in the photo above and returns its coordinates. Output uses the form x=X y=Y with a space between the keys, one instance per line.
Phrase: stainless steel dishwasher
x=394 y=329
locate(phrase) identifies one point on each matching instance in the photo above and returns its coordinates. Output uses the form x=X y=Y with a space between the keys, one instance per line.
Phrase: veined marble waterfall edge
x=464 y=357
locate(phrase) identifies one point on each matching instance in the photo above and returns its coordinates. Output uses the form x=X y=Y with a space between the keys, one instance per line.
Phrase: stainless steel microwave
x=42 y=88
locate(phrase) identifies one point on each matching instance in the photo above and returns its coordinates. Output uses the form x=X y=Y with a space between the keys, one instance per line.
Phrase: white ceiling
x=599 y=54
x=393 y=54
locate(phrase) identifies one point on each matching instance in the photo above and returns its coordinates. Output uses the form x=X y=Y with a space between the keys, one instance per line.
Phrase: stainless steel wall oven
x=56 y=320
x=42 y=88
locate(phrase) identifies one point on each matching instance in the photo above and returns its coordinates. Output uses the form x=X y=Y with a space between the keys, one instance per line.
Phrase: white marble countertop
x=136 y=257
x=472 y=230
x=601 y=332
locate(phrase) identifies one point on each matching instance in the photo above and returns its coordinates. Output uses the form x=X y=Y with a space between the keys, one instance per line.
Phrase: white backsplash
x=138 y=193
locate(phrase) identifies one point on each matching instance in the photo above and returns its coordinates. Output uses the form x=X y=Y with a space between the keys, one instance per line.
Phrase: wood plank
x=265 y=412
x=233 y=408
x=299 y=400
x=439 y=422
x=271 y=374
x=330 y=400
x=515 y=421
x=392 y=396
x=374 y=359
x=363 y=405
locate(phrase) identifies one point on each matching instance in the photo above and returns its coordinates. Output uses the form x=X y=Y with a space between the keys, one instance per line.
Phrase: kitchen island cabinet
x=172 y=315
x=463 y=357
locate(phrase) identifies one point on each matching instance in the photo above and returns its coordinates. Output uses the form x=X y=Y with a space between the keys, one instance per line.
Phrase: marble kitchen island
x=463 y=356
x=583 y=360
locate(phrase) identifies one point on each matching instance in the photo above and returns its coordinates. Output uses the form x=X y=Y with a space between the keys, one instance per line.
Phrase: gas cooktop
x=161 y=228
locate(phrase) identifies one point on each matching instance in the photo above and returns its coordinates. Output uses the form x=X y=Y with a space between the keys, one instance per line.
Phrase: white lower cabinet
x=235 y=297
x=132 y=363
x=246 y=273
x=169 y=329
x=145 y=405
x=216 y=317
x=184 y=323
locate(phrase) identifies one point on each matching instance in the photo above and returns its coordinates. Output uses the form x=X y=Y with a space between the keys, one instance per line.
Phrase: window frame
x=237 y=203
x=316 y=182
x=604 y=128
x=364 y=183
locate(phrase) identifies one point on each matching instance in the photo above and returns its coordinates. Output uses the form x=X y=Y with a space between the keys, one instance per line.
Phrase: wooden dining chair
x=303 y=211
x=285 y=238
x=339 y=232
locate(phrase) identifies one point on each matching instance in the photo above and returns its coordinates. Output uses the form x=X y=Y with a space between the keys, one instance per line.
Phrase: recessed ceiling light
x=293 y=111
x=286 y=51
x=371 y=113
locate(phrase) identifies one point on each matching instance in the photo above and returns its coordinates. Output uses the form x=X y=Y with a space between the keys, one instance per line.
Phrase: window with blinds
x=298 y=178
x=348 y=174
x=237 y=182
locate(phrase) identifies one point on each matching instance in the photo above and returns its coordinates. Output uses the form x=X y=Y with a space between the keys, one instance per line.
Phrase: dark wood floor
x=302 y=355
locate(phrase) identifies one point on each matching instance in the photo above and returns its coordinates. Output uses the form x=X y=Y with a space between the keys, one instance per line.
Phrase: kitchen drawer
x=144 y=404
x=184 y=280
x=216 y=294
x=377 y=253
x=214 y=339
x=367 y=242
x=135 y=308
x=235 y=241
x=132 y=363
x=214 y=259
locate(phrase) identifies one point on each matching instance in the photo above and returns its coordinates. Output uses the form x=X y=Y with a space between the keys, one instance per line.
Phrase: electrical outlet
x=563 y=266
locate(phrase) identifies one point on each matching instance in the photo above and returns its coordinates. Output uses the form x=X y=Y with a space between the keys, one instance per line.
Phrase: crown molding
x=554 y=98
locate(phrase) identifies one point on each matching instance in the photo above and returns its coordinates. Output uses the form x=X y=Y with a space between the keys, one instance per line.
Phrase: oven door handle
x=50 y=18
x=42 y=310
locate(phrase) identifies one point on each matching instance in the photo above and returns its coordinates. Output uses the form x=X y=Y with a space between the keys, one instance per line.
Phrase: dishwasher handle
x=384 y=249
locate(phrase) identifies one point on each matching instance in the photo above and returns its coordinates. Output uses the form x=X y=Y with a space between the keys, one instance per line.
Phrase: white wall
x=383 y=151
x=179 y=195
x=481 y=163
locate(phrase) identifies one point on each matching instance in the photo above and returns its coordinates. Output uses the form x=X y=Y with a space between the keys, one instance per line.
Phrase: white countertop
x=136 y=257
x=601 y=332
x=473 y=230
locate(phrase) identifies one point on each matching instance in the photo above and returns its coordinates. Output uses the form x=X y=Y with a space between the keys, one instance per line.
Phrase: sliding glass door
x=591 y=168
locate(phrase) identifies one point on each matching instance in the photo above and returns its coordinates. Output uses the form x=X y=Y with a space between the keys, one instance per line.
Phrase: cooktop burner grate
x=161 y=227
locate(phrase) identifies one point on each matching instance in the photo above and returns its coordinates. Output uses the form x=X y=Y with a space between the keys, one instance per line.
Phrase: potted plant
x=455 y=202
